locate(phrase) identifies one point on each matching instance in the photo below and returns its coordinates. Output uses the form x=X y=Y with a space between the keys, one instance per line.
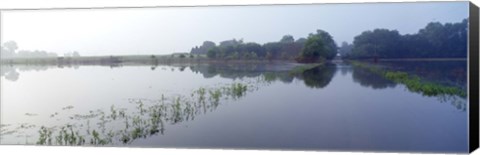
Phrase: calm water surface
x=262 y=106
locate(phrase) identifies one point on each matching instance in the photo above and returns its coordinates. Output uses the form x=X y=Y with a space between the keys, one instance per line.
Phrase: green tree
x=345 y=49
x=318 y=46
x=287 y=39
x=212 y=53
x=436 y=40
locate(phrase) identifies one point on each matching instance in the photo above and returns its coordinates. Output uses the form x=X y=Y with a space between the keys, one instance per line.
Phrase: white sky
x=167 y=30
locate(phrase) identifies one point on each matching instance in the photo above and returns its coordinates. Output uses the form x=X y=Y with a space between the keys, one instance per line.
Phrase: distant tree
x=380 y=43
x=232 y=42
x=436 y=40
x=10 y=46
x=5 y=53
x=345 y=49
x=203 y=49
x=269 y=56
x=182 y=56
x=287 y=39
x=212 y=53
x=254 y=48
x=75 y=54
x=301 y=40
x=253 y=55
x=33 y=54
x=318 y=46
x=8 y=49
x=286 y=48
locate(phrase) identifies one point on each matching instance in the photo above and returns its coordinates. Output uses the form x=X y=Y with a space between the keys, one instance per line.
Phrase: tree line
x=316 y=47
x=436 y=40
x=9 y=50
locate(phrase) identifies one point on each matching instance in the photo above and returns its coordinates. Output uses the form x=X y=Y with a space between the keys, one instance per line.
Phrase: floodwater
x=255 y=106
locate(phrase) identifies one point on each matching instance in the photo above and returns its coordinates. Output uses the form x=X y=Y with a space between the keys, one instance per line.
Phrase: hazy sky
x=167 y=30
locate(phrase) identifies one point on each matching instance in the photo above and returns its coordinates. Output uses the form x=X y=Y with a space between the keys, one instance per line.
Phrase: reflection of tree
x=12 y=75
x=318 y=77
x=285 y=77
x=456 y=101
x=230 y=71
x=344 y=69
x=271 y=71
x=10 y=71
x=368 y=79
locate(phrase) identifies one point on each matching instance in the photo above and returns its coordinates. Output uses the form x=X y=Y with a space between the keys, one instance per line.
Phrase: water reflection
x=367 y=79
x=12 y=72
x=318 y=77
x=451 y=73
x=121 y=125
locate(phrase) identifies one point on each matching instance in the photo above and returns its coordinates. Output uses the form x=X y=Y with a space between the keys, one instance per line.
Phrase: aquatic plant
x=215 y=96
x=238 y=90
x=115 y=125
x=113 y=114
x=413 y=82
x=45 y=136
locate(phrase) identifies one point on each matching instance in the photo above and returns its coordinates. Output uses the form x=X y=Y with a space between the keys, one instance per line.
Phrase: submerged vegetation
x=445 y=93
x=415 y=84
x=114 y=125
x=412 y=82
x=122 y=126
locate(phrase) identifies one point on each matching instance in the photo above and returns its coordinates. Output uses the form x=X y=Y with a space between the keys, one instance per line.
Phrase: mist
x=175 y=29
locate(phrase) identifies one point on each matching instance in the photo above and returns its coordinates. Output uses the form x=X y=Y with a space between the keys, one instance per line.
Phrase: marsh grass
x=413 y=82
